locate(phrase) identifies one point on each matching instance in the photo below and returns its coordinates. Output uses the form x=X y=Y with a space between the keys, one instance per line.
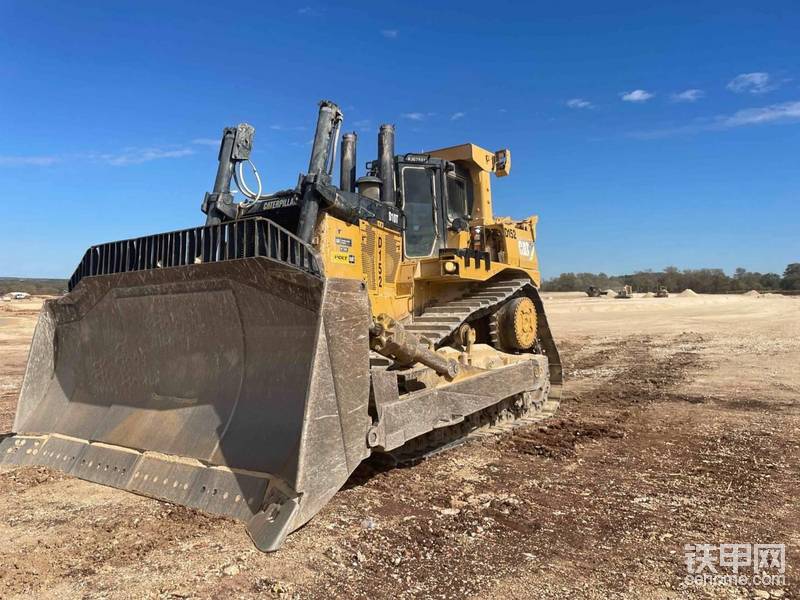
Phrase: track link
x=495 y=420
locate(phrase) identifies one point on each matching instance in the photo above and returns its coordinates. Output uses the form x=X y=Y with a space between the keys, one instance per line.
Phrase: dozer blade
x=239 y=387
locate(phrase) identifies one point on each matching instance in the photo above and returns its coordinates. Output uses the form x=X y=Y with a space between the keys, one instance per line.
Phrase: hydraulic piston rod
x=389 y=338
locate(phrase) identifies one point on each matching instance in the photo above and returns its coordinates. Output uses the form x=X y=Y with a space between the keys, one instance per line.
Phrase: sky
x=642 y=134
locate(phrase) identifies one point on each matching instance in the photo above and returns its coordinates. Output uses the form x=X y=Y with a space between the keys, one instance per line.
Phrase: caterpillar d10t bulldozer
x=247 y=367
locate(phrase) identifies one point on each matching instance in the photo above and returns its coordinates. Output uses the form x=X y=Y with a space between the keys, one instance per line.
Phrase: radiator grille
x=245 y=238
x=392 y=257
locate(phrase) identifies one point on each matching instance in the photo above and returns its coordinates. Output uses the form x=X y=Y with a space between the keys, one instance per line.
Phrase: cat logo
x=526 y=249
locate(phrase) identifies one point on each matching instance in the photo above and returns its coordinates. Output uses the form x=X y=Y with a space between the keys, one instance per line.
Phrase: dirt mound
x=752 y=294
x=687 y=293
x=610 y=292
x=648 y=295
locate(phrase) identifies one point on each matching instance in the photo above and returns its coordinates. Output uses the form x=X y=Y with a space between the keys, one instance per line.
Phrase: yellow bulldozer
x=625 y=292
x=247 y=367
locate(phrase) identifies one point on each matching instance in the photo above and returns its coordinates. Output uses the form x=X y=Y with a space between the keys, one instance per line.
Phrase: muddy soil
x=680 y=424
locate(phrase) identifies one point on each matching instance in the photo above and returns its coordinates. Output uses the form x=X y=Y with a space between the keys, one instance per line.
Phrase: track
x=500 y=418
x=438 y=323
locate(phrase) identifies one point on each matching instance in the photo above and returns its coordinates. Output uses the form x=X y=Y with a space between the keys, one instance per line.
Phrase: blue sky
x=642 y=136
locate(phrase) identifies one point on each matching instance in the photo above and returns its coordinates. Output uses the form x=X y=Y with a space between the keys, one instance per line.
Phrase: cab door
x=419 y=186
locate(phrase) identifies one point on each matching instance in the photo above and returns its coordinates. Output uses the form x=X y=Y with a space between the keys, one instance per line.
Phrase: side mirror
x=502 y=162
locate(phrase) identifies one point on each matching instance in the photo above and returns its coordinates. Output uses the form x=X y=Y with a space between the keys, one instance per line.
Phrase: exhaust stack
x=347 y=169
x=386 y=163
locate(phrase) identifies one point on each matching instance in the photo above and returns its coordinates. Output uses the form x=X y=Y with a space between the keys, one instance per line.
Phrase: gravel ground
x=680 y=424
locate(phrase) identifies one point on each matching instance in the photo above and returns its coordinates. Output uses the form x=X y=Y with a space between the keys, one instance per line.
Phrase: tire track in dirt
x=445 y=539
x=595 y=502
x=437 y=535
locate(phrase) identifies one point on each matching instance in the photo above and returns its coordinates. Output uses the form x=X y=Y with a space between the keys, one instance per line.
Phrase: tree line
x=675 y=280
x=50 y=287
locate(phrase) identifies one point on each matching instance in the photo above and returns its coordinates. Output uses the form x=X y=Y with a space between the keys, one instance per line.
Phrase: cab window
x=418 y=206
x=456 y=198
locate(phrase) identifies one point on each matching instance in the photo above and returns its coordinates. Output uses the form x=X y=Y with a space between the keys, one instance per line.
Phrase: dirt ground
x=680 y=424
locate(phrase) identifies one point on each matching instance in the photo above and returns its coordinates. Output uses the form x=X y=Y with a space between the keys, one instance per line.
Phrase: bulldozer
x=595 y=292
x=625 y=292
x=247 y=366
x=662 y=292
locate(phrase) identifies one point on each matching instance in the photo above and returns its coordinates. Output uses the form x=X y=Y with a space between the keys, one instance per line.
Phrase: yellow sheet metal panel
x=457 y=239
x=405 y=279
x=513 y=242
x=340 y=246
x=477 y=156
x=381 y=249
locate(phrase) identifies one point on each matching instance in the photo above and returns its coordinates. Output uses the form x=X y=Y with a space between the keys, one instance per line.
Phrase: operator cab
x=436 y=197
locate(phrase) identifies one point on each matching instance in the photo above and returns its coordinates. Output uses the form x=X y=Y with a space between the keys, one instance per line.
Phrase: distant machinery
x=625 y=292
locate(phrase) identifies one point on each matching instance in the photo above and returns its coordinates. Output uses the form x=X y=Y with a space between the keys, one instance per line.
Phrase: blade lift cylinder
x=320 y=166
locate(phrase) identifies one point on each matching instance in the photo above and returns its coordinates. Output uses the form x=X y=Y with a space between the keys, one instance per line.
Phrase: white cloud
x=126 y=156
x=308 y=11
x=28 y=161
x=752 y=83
x=417 y=116
x=457 y=115
x=137 y=156
x=390 y=34
x=636 y=96
x=579 y=103
x=287 y=128
x=692 y=95
x=777 y=114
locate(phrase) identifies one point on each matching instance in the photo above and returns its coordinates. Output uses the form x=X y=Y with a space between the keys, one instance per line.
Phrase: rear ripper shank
x=247 y=366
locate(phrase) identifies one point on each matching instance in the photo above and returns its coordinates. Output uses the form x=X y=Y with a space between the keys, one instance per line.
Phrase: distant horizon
x=609 y=274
